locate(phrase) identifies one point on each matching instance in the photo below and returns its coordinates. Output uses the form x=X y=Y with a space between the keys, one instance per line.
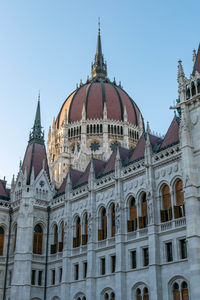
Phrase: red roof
x=138 y=152
x=75 y=175
x=110 y=165
x=98 y=166
x=94 y=95
x=4 y=192
x=172 y=135
x=34 y=157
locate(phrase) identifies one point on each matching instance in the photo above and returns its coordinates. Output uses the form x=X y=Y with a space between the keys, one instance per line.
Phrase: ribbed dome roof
x=94 y=95
x=97 y=92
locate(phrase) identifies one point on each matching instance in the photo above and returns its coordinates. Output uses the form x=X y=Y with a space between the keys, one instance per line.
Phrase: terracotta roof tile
x=139 y=150
x=95 y=102
x=110 y=165
x=34 y=157
x=4 y=193
x=98 y=166
x=172 y=135
x=75 y=175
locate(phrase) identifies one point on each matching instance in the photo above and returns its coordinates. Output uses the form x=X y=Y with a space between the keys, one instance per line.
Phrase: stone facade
x=88 y=244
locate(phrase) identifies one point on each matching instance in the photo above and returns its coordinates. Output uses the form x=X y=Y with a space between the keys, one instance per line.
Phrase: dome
x=94 y=119
x=94 y=97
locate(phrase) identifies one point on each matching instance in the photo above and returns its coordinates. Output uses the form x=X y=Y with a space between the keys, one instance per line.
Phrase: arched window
x=184 y=291
x=132 y=222
x=193 y=89
x=112 y=296
x=187 y=92
x=176 y=292
x=106 y=296
x=90 y=128
x=112 y=210
x=112 y=129
x=77 y=238
x=166 y=213
x=198 y=86
x=94 y=129
x=115 y=130
x=143 y=219
x=15 y=238
x=145 y=294
x=87 y=128
x=101 y=128
x=1 y=240
x=68 y=132
x=97 y=128
x=138 y=294
x=85 y=229
x=37 y=239
x=61 y=239
x=56 y=237
x=179 y=209
x=102 y=233
x=121 y=130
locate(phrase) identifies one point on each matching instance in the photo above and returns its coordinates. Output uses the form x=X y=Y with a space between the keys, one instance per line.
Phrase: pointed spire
x=37 y=134
x=99 y=67
x=181 y=74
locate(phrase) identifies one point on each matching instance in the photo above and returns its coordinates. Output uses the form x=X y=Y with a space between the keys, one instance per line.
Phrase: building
x=110 y=211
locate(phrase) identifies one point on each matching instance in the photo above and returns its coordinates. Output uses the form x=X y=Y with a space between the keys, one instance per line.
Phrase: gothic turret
x=35 y=156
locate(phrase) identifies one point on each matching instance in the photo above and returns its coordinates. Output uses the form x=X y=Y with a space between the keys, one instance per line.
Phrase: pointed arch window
x=193 y=89
x=166 y=212
x=37 y=239
x=85 y=229
x=113 y=219
x=176 y=292
x=145 y=294
x=2 y=234
x=60 y=245
x=54 y=246
x=143 y=221
x=184 y=291
x=102 y=233
x=179 y=208
x=77 y=238
x=132 y=222
x=138 y=294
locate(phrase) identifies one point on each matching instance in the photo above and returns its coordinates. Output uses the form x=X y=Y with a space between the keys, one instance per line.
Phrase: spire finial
x=36 y=133
x=99 y=68
x=99 y=25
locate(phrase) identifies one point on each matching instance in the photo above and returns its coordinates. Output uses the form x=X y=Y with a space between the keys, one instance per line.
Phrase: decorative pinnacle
x=181 y=74
x=99 y=68
x=99 y=25
x=37 y=134
x=194 y=56
x=148 y=128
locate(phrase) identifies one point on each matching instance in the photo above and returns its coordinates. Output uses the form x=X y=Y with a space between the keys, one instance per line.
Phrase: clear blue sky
x=49 y=45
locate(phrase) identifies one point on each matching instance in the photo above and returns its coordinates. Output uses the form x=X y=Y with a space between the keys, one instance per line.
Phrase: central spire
x=37 y=134
x=99 y=68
